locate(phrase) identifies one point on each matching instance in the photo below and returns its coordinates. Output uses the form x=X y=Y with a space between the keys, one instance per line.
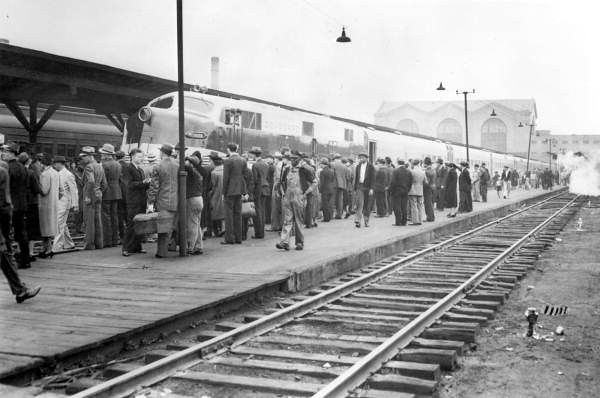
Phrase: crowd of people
x=225 y=195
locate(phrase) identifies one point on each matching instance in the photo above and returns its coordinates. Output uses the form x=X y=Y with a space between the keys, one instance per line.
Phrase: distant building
x=561 y=143
x=446 y=120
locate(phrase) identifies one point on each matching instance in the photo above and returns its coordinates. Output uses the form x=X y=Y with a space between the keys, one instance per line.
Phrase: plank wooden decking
x=89 y=297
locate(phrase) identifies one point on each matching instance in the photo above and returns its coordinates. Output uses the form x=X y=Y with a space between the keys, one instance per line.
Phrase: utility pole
x=182 y=233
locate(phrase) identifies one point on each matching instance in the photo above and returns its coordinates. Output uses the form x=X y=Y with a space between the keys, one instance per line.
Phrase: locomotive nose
x=144 y=114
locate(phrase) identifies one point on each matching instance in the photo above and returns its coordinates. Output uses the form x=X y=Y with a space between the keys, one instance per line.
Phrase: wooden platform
x=90 y=297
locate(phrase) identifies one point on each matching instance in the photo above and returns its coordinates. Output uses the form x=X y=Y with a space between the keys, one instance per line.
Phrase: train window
x=71 y=151
x=251 y=120
x=586 y=142
x=575 y=142
x=47 y=148
x=308 y=129
x=163 y=103
x=61 y=149
x=199 y=105
x=348 y=135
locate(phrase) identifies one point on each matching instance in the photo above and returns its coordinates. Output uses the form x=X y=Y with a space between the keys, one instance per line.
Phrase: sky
x=285 y=50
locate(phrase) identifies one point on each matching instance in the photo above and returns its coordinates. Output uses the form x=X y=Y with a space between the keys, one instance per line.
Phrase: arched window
x=408 y=125
x=450 y=129
x=493 y=135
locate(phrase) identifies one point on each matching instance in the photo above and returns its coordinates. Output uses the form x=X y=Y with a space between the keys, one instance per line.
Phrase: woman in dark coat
x=450 y=201
x=33 y=190
x=464 y=188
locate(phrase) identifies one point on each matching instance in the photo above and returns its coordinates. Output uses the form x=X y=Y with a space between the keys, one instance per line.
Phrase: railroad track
x=387 y=330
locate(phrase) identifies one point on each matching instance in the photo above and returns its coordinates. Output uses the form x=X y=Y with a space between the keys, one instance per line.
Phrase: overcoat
x=216 y=193
x=450 y=199
x=48 y=202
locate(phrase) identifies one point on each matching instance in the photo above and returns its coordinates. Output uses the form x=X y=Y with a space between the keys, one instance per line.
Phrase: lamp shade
x=343 y=38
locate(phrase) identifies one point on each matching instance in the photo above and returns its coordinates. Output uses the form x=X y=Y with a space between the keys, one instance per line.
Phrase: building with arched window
x=450 y=129
x=408 y=125
x=445 y=120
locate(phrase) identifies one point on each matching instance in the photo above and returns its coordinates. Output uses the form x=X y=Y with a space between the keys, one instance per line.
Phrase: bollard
x=532 y=316
x=579 y=224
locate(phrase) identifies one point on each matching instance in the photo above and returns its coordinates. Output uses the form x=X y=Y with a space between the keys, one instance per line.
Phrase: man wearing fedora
x=399 y=187
x=68 y=199
x=163 y=194
x=94 y=185
x=327 y=189
x=136 y=185
x=364 y=178
x=112 y=195
x=235 y=185
x=340 y=172
x=297 y=183
x=260 y=170
x=18 y=181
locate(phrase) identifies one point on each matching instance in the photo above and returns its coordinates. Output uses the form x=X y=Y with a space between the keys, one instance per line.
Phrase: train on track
x=211 y=122
x=64 y=134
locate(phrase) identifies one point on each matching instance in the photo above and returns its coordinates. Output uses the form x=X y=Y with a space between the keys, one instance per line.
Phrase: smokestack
x=214 y=73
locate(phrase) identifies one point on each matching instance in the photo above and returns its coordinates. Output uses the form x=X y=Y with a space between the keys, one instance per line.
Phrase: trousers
x=293 y=215
x=483 y=189
x=233 y=219
x=339 y=202
x=400 y=205
x=9 y=269
x=194 y=207
x=62 y=240
x=327 y=203
x=428 y=194
x=381 y=204
x=416 y=208
x=259 y=219
x=92 y=217
x=20 y=230
x=364 y=204
x=276 y=214
x=110 y=221
x=132 y=242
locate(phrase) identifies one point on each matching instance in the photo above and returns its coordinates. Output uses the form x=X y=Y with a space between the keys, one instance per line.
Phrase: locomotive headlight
x=144 y=114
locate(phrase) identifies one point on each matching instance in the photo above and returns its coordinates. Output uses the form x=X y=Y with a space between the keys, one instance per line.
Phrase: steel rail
x=358 y=373
x=154 y=372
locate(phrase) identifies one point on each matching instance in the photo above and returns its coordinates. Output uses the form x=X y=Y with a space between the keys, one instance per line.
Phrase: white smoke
x=585 y=172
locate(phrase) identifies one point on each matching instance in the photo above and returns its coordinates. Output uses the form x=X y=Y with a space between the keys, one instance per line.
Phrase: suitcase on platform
x=152 y=223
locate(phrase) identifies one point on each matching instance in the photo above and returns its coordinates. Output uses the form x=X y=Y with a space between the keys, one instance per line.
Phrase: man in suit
x=136 y=185
x=260 y=170
x=484 y=180
x=415 y=195
x=124 y=162
x=380 y=187
x=441 y=172
x=506 y=180
x=94 y=185
x=364 y=178
x=68 y=200
x=163 y=194
x=112 y=195
x=429 y=190
x=399 y=187
x=349 y=205
x=340 y=171
x=327 y=189
x=18 y=179
x=234 y=189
